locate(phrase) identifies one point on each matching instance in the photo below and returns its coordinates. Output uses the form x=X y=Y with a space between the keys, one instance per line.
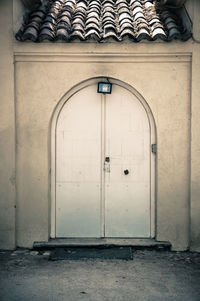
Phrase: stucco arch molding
x=52 y=131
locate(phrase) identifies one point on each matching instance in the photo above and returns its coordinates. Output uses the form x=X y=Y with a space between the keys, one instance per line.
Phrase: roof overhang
x=65 y=21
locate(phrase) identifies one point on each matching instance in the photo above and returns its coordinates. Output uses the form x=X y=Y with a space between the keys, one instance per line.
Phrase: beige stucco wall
x=18 y=13
x=7 y=142
x=189 y=8
x=164 y=81
x=195 y=152
x=195 y=130
x=166 y=74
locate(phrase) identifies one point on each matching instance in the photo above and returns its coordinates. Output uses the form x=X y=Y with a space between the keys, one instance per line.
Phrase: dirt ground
x=152 y=275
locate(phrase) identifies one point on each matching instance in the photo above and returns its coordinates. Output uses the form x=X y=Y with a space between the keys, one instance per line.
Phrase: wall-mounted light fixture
x=105 y=88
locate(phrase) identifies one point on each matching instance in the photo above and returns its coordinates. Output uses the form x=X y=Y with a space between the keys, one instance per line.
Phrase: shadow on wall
x=31 y=4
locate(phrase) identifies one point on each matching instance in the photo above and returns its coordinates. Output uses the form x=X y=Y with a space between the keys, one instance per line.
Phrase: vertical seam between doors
x=103 y=120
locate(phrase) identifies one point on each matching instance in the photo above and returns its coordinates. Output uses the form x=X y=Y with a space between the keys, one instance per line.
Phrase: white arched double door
x=103 y=166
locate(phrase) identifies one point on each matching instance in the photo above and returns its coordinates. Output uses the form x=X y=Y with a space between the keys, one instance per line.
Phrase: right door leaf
x=127 y=185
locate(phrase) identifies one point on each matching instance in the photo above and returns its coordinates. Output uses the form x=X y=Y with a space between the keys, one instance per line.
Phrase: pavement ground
x=152 y=275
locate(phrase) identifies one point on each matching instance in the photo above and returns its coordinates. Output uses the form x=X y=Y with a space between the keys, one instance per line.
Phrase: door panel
x=78 y=166
x=127 y=197
x=90 y=198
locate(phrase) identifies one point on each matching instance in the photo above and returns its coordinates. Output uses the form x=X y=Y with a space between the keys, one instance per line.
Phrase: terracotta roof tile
x=66 y=20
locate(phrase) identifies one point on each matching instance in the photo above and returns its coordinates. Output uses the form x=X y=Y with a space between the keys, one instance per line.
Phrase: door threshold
x=137 y=243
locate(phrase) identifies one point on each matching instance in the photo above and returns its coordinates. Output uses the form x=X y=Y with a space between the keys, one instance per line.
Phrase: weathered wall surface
x=18 y=12
x=165 y=84
x=161 y=72
x=7 y=148
x=195 y=152
x=195 y=140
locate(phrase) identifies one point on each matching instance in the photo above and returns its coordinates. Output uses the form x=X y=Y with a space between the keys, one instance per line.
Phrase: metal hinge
x=154 y=148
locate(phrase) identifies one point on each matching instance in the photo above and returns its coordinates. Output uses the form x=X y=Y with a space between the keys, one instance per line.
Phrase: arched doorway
x=104 y=165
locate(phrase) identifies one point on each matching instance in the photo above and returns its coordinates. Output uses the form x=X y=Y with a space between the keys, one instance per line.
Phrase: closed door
x=103 y=166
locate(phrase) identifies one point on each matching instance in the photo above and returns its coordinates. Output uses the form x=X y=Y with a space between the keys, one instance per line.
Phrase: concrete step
x=136 y=243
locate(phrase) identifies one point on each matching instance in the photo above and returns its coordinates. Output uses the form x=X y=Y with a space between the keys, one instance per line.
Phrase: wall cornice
x=97 y=57
x=103 y=49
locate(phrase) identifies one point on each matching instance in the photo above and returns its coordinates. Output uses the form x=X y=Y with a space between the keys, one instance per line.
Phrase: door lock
x=107 y=164
x=126 y=172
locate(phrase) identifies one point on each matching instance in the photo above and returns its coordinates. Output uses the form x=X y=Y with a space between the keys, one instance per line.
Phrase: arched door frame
x=54 y=120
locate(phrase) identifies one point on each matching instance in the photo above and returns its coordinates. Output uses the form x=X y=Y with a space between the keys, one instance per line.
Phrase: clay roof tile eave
x=55 y=16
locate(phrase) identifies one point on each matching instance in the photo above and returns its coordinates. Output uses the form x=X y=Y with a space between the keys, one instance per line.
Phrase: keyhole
x=126 y=172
